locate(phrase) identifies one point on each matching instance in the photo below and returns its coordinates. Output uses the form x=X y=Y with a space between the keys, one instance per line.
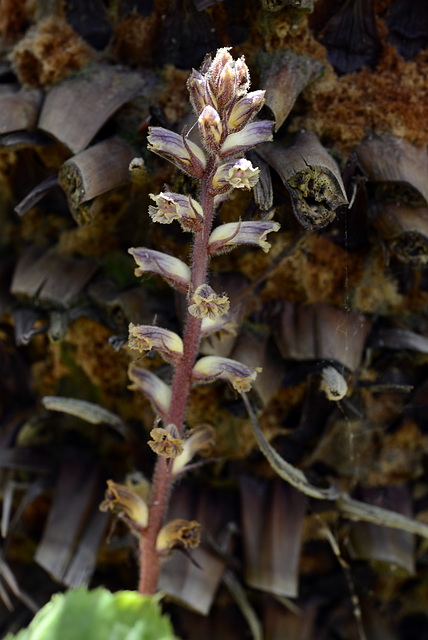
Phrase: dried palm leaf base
x=272 y=518
x=311 y=177
x=404 y=231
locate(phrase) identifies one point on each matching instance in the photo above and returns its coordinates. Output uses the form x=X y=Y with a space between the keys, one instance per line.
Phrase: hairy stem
x=162 y=478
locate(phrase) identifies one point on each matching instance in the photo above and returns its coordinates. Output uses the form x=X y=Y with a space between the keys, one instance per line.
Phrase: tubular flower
x=178 y=533
x=166 y=442
x=239 y=174
x=175 y=206
x=210 y=128
x=250 y=136
x=212 y=368
x=253 y=232
x=177 y=149
x=200 y=441
x=207 y=304
x=153 y=387
x=244 y=110
x=127 y=503
x=175 y=272
x=148 y=337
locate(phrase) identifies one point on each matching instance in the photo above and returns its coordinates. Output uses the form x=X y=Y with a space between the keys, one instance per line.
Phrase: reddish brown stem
x=162 y=478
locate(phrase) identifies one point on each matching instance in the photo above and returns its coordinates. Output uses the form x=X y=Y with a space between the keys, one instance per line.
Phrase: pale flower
x=207 y=304
x=212 y=368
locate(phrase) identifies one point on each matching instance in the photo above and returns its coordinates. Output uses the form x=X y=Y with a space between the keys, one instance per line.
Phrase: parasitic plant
x=225 y=111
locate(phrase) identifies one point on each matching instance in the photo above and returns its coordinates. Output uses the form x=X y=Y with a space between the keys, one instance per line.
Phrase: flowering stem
x=162 y=478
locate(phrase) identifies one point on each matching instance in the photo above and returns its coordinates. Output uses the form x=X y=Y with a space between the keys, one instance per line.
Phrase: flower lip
x=207 y=304
x=166 y=442
x=235 y=174
x=175 y=206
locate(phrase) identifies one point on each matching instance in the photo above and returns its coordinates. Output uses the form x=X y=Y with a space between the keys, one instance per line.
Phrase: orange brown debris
x=49 y=52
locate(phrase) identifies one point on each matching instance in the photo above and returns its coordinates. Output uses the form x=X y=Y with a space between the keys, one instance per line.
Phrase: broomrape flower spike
x=225 y=115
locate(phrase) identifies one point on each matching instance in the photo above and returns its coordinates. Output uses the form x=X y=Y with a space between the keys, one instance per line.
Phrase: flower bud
x=148 y=337
x=175 y=206
x=166 y=442
x=210 y=128
x=239 y=174
x=212 y=368
x=200 y=94
x=244 y=110
x=333 y=384
x=175 y=272
x=228 y=79
x=127 y=503
x=153 y=387
x=250 y=136
x=207 y=304
x=253 y=232
x=178 y=533
x=184 y=153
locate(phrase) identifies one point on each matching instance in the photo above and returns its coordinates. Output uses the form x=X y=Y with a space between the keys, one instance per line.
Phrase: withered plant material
x=351 y=37
x=408 y=26
x=397 y=166
x=390 y=547
x=88 y=411
x=311 y=177
x=39 y=191
x=404 y=231
x=51 y=277
x=49 y=52
x=397 y=338
x=76 y=491
x=284 y=75
x=321 y=331
x=76 y=109
x=272 y=519
x=93 y=172
x=82 y=565
x=277 y=5
x=19 y=109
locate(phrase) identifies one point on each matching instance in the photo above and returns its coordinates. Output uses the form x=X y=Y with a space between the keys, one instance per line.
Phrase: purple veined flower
x=232 y=234
x=211 y=368
x=180 y=534
x=175 y=206
x=175 y=271
x=184 y=153
x=148 y=337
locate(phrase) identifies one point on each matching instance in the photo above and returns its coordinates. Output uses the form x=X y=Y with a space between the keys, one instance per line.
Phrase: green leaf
x=99 y=615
